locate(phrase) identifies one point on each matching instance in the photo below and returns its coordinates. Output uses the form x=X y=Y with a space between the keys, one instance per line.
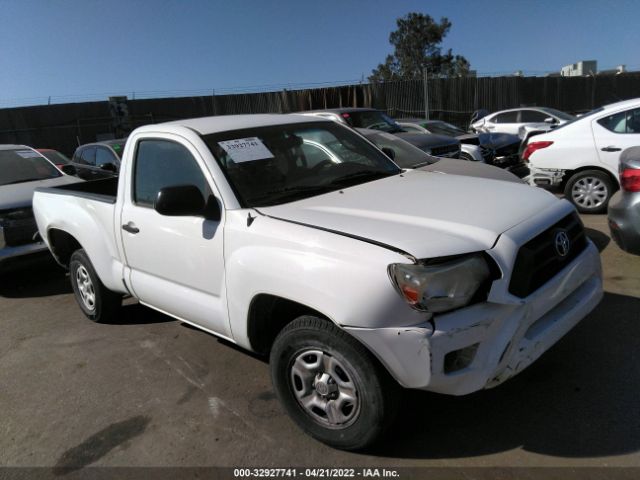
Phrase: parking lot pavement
x=152 y=391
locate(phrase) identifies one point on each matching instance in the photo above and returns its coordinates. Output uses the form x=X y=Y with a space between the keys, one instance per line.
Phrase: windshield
x=56 y=157
x=278 y=164
x=443 y=128
x=405 y=154
x=372 y=119
x=118 y=148
x=558 y=113
x=24 y=165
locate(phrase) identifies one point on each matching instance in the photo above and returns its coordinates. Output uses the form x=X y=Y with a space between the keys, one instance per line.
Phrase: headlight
x=440 y=287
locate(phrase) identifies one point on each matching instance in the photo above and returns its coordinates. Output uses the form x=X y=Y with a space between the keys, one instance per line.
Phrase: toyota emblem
x=562 y=243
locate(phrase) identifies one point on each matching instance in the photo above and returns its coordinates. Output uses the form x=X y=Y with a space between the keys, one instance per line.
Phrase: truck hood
x=20 y=195
x=425 y=214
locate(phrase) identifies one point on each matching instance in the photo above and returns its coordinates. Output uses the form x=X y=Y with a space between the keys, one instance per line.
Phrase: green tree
x=416 y=45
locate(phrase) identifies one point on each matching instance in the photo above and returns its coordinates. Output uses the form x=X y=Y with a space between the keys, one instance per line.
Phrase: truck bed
x=104 y=190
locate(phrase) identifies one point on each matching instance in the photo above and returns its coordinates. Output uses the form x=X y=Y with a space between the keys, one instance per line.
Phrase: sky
x=69 y=49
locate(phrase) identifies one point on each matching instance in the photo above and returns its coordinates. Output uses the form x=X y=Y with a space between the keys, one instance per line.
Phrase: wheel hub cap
x=324 y=388
x=85 y=288
x=589 y=192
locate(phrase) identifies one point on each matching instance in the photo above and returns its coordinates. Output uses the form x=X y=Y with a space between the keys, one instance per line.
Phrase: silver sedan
x=624 y=206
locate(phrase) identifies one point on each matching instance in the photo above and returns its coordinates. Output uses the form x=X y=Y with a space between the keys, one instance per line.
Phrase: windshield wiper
x=372 y=174
x=293 y=191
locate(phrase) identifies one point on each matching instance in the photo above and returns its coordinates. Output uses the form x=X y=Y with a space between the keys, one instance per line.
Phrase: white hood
x=19 y=195
x=422 y=213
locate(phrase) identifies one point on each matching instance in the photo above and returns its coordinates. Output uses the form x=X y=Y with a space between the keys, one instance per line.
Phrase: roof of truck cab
x=223 y=123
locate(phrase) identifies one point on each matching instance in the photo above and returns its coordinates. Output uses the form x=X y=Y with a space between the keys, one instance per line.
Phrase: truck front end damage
x=484 y=344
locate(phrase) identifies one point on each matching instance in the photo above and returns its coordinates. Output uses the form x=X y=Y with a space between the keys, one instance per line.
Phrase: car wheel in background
x=96 y=301
x=466 y=156
x=331 y=385
x=589 y=191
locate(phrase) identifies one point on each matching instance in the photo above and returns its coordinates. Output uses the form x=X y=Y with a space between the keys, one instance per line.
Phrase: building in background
x=580 y=69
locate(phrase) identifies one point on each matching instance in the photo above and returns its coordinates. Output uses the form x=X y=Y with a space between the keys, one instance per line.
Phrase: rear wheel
x=330 y=385
x=589 y=191
x=466 y=156
x=96 y=301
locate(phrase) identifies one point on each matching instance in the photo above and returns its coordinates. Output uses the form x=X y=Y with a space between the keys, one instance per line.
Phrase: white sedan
x=510 y=121
x=582 y=156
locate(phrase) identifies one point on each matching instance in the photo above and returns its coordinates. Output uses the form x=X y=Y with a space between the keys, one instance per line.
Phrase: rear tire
x=467 y=157
x=331 y=385
x=97 y=302
x=589 y=191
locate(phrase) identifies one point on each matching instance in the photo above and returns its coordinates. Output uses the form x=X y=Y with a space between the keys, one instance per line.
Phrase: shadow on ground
x=579 y=400
x=601 y=240
x=137 y=314
x=99 y=444
x=34 y=278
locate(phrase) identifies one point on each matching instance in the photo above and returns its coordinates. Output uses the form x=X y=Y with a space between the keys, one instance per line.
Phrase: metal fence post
x=425 y=82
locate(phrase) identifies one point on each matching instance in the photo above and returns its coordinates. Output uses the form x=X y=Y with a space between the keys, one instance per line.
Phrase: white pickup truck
x=295 y=237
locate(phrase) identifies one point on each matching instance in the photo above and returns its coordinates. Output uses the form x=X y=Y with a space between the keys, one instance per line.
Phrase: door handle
x=610 y=149
x=130 y=227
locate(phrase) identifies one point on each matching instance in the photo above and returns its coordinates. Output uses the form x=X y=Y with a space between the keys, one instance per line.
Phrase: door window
x=162 y=163
x=533 y=116
x=88 y=156
x=506 y=117
x=622 y=122
x=104 y=155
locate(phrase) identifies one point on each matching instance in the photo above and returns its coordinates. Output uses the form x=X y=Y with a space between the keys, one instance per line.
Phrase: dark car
x=98 y=160
x=437 y=145
x=624 y=206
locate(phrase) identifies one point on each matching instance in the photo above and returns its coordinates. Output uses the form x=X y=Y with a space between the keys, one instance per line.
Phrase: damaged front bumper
x=483 y=345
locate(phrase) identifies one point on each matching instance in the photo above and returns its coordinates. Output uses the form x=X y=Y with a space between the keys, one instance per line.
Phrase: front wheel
x=589 y=191
x=330 y=385
x=96 y=301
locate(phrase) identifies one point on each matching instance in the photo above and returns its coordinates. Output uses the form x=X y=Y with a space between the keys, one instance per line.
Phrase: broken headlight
x=441 y=286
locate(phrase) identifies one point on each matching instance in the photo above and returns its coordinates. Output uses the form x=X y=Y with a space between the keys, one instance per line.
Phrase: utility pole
x=425 y=82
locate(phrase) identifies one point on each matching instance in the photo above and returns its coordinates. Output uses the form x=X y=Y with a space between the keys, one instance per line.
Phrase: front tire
x=97 y=302
x=589 y=191
x=331 y=385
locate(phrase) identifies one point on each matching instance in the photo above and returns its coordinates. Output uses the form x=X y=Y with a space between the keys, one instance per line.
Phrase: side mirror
x=186 y=201
x=69 y=169
x=109 y=167
x=389 y=152
x=549 y=120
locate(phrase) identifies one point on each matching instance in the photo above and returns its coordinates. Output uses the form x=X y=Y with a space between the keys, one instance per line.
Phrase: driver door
x=174 y=263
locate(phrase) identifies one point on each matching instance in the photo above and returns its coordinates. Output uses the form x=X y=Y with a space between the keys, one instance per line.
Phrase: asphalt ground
x=152 y=391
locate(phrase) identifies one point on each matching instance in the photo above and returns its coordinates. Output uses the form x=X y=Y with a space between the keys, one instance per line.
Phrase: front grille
x=446 y=151
x=19 y=227
x=538 y=262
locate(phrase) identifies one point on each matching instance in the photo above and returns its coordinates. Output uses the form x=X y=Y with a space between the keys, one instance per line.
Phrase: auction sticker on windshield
x=28 y=154
x=246 y=149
